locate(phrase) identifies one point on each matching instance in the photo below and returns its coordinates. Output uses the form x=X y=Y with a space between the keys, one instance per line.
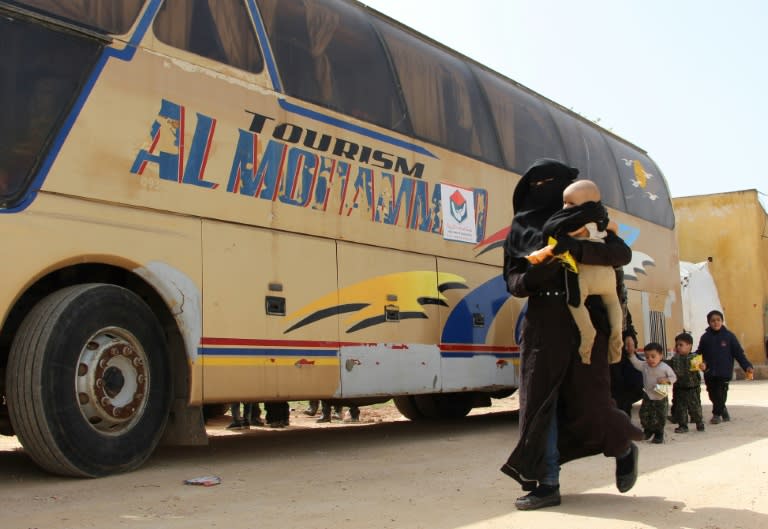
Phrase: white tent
x=699 y=294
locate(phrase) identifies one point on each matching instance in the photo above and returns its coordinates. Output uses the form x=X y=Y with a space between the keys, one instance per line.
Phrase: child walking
x=686 y=392
x=656 y=377
x=719 y=348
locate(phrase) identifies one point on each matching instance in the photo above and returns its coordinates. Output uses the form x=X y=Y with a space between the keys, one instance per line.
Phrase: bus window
x=444 y=101
x=588 y=152
x=645 y=189
x=41 y=70
x=220 y=30
x=328 y=53
x=109 y=17
x=525 y=128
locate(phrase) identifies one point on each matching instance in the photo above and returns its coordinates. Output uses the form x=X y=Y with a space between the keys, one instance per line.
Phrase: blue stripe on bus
x=266 y=48
x=323 y=118
x=248 y=351
x=125 y=54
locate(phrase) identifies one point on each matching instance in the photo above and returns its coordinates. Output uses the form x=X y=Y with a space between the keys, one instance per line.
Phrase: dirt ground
x=387 y=472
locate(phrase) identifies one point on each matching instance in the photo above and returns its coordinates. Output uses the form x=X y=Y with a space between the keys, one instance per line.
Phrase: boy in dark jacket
x=719 y=348
x=686 y=392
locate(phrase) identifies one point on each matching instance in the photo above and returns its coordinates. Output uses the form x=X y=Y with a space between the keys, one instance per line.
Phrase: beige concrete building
x=731 y=229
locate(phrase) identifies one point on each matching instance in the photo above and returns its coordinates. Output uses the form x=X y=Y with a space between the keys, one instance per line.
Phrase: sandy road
x=398 y=474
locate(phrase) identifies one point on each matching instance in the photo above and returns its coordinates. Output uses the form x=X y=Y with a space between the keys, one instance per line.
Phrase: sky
x=684 y=80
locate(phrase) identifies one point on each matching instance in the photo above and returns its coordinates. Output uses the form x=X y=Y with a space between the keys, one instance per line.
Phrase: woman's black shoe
x=542 y=496
x=626 y=469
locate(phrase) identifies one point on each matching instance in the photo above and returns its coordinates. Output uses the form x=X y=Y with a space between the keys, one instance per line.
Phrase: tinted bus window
x=444 y=101
x=103 y=15
x=525 y=128
x=587 y=151
x=328 y=53
x=41 y=70
x=217 y=29
x=645 y=190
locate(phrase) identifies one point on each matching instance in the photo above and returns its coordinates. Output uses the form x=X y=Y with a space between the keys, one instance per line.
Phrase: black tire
x=88 y=382
x=444 y=405
x=408 y=408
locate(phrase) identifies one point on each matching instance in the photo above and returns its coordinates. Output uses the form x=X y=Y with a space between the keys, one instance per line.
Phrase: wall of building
x=731 y=229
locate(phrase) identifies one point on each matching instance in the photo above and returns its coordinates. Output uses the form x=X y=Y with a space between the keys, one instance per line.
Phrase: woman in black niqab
x=559 y=394
x=537 y=196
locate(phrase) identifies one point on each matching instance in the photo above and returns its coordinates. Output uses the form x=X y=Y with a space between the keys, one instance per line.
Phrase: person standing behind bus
x=251 y=415
x=566 y=409
x=331 y=410
x=312 y=408
x=719 y=348
x=277 y=414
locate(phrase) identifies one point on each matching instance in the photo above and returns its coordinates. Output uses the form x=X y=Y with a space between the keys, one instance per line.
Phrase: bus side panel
x=389 y=344
x=257 y=344
x=478 y=349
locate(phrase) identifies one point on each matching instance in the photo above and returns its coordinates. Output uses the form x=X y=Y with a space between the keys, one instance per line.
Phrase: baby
x=593 y=279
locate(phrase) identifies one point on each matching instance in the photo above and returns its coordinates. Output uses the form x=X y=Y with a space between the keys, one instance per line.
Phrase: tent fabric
x=699 y=296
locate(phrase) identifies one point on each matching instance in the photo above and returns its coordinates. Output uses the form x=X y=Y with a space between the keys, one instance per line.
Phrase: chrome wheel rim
x=112 y=381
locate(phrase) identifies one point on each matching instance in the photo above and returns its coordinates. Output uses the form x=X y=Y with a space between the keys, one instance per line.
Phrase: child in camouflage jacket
x=686 y=391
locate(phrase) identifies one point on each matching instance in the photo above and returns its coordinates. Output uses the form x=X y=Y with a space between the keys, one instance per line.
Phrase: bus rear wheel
x=88 y=381
x=444 y=405
x=406 y=405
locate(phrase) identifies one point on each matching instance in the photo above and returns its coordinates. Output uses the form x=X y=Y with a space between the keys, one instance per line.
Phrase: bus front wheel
x=88 y=381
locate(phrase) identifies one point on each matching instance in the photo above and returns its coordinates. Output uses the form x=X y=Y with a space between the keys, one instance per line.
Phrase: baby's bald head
x=579 y=192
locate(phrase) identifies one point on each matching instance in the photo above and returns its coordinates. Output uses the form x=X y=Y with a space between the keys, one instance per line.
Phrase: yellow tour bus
x=209 y=201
